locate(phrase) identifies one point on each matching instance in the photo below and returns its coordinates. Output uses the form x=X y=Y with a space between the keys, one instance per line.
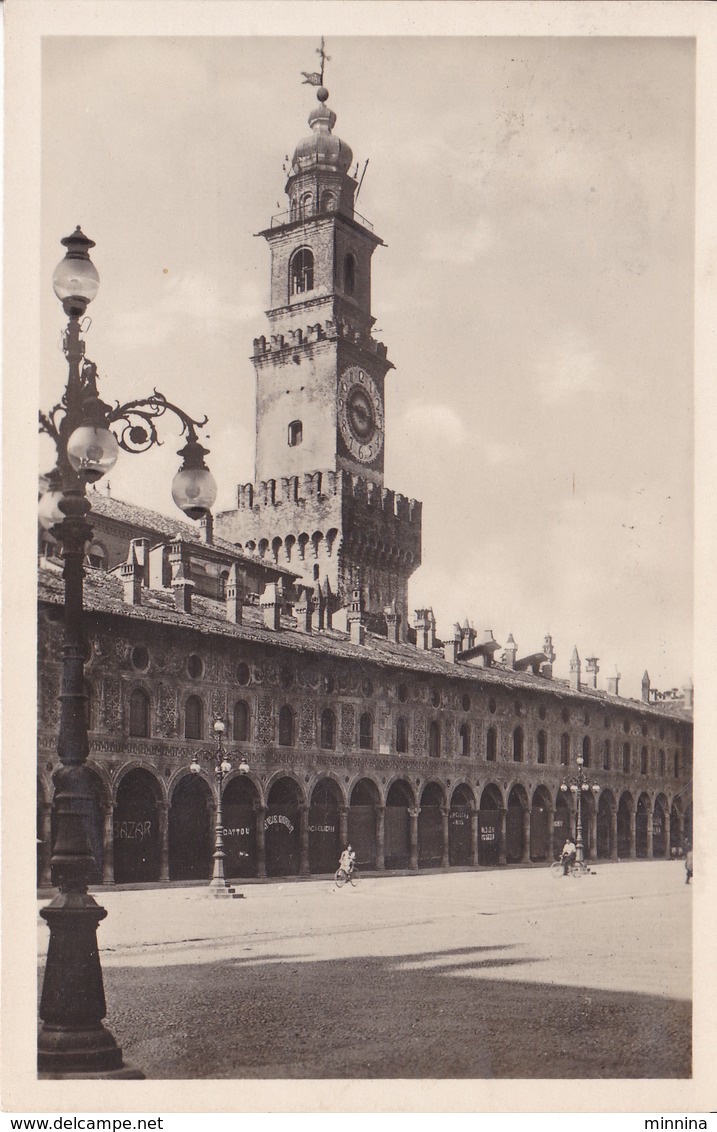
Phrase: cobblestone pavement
x=495 y=973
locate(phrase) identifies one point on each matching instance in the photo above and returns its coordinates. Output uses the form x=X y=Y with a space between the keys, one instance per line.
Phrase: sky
x=536 y=198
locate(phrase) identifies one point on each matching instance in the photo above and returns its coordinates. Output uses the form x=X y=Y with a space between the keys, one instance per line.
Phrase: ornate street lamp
x=578 y=786
x=219 y=885
x=73 y=1038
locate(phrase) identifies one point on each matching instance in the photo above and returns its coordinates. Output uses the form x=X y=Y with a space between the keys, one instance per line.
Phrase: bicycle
x=341 y=877
x=557 y=869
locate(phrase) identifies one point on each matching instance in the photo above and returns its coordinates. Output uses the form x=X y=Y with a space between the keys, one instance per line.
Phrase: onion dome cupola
x=319 y=179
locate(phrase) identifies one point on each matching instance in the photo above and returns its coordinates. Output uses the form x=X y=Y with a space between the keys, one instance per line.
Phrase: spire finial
x=316 y=78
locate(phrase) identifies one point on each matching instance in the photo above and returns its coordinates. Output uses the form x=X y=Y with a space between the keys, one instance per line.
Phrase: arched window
x=564 y=749
x=643 y=760
x=193 y=718
x=464 y=740
x=586 y=750
x=240 y=731
x=662 y=762
x=349 y=274
x=626 y=758
x=328 y=730
x=97 y=556
x=606 y=755
x=542 y=747
x=296 y=434
x=518 y=745
x=306 y=205
x=286 y=727
x=434 y=740
x=490 y=745
x=139 y=713
x=328 y=202
x=301 y=272
x=366 y=732
x=677 y=764
x=401 y=736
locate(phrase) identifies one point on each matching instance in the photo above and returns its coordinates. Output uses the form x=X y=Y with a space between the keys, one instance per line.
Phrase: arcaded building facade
x=289 y=618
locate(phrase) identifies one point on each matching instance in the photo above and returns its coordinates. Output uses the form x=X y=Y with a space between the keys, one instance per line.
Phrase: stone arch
x=191 y=821
x=240 y=802
x=365 y=805
x=515 y=844
x=643 y=816
x=327 y=799
x=462 y=807
x=432 y=802
x=625 y=810
x=491 y=809
x=606 y=810
x=286 y=772
x=400 y=798
x=286 y=800
x=132 y=765
x=660 y=813
x=463 y=794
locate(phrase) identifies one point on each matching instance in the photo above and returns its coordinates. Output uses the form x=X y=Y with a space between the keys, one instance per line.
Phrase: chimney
x=131 y=575
x=425 y=624
x=451 y=648
x=488 y=645
x=575 y=670
x=645 y=687
x=548 y=649
x=271 y=607
x=689 y=694
x=468 y=636
x=234 y=596
x=511 y=652
x=182 y=585
x=304 y=610
x=392 y=622
x=592 y=668
x=356 y=626
x=325 y=605
x=141 y=550
x=206 y=528
x=546 y=670
x=613 y=684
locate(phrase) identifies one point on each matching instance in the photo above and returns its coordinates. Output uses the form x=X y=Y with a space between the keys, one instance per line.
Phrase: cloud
x=440 y=422
x=568 y=367
x=458 y=244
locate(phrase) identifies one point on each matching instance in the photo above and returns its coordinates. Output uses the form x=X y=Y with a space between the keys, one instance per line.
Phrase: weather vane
x=316 y=78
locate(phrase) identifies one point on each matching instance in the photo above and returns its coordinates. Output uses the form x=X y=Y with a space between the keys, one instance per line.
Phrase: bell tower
x=318 y=504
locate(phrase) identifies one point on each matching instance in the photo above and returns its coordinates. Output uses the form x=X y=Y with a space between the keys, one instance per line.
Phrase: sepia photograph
x=364 y=518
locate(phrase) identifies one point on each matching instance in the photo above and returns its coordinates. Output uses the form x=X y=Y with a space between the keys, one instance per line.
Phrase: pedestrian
x=568 y=853
x=688 y=866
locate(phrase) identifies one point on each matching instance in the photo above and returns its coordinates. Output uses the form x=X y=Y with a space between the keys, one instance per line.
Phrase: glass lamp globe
x=195 y=767
x=218 y=726
x=48 y=509
x=226 y=767
x=76 y=279
x=92 y=451
x=243 y=767
x=563 y=786
x=194 y=490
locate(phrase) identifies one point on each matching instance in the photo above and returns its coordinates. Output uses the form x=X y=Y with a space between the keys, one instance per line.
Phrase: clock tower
x=318 y=504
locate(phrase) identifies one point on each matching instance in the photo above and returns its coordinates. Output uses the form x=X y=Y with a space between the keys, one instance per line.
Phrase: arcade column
x=650 y=844
x=525 y=856
x=303 y=840
x=551 y=832
x=592 y=835
x=413 y=813
x=163 y=820
x=474 y=837
x=668 y=834
x=632 y=827
x=613 y=834
x=445 y=857
x=260 y=835
x=108 y=843
x=501 y=842
x=380 y=837
x=343 y=825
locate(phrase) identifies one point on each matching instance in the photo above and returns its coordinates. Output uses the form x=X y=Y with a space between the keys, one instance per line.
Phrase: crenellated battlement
x=330 y=330
x=322 y=485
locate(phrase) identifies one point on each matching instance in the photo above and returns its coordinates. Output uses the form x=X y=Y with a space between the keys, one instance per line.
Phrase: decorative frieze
x=348 y=725
x=265 y=721
x=307 y=723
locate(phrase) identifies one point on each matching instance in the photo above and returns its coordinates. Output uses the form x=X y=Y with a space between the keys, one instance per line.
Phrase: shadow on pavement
x=369 y=1018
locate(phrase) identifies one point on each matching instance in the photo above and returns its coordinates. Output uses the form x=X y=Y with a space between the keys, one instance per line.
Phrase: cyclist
x=347 y=860
x=568 y=853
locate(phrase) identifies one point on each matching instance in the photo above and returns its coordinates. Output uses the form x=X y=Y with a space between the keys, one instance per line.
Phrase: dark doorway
x=397 y=832
x=459 y=827
x=642 y=817
x=324 y=828
x=562 y=824
x=514 y=829
x=282 y=829
x=539 y=826
x=362 y=822
x=659 y=830
x=604 y=827
x=136 y=829
x=430 y=827
x=624 y=819
x=191 y=836
x=489 y=826
x=239 y=814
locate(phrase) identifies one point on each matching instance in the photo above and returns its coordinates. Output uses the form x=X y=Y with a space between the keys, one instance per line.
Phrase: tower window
x=296 y=433
x=301 y=272
x=349 y=274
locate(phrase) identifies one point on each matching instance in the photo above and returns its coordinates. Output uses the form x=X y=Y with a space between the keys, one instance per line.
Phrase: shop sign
x=132 y=830
x=278 y=819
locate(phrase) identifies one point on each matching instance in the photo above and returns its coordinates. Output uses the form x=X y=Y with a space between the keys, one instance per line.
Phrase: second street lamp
x=88 y=435
x=578 y=786
x=219 y=885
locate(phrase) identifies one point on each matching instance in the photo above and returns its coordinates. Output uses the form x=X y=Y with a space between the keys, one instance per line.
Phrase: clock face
x=360 y=413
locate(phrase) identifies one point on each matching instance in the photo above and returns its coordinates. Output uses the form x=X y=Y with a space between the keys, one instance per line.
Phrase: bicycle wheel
x=340 y=878
x=354 y=878
x=556 y=869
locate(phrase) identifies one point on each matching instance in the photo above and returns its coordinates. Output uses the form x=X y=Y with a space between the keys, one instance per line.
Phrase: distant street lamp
x=578 y=786
x=72 y=1038
x=219 y=885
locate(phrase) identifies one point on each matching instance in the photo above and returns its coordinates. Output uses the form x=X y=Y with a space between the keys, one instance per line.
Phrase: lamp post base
x=222 y=888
